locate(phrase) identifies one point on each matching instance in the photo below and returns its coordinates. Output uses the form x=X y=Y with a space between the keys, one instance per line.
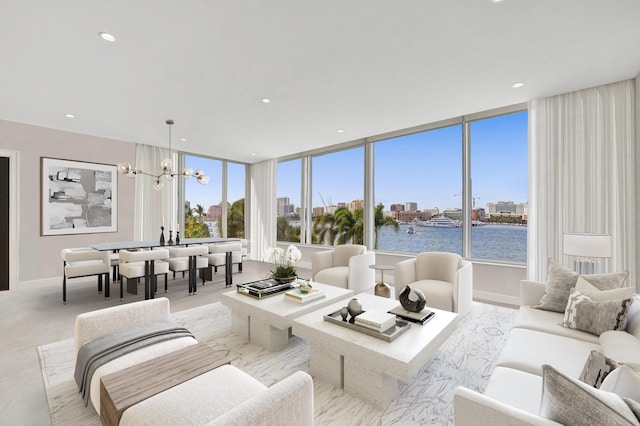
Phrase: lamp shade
x=587 y=245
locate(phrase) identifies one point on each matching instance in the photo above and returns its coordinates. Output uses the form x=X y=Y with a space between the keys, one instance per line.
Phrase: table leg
x=364 y=380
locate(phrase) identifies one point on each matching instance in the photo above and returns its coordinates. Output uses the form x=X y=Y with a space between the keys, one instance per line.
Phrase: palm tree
x=350 y=226
x=324 y=229
x=380 y=220
x=200 y=211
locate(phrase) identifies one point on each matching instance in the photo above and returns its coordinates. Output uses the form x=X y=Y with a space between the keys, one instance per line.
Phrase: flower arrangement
x=283 y=261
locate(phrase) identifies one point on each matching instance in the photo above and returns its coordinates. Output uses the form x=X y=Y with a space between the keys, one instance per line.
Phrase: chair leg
x=64 y=289
x=107 y=292
x=100 y=284
x=240 y=267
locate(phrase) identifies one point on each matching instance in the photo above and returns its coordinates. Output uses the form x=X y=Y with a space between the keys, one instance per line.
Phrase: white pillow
x=623 y=381
x=594 y=293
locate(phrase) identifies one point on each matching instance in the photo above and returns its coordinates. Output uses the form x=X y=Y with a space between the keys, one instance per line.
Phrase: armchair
x=345 y=266
x=446 y=279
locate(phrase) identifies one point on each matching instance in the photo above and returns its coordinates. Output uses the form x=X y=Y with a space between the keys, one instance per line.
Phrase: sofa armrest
x=475 y=409
x=321 y=260
x=90 y=325
x=288 y=402
x=361 y=277
x=463 y=289
x=531 y=292
x=404 y=272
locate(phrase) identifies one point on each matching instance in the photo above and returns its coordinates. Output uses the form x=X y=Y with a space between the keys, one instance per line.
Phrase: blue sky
x=425 y=168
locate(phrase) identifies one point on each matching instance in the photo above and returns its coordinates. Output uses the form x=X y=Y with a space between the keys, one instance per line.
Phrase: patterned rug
x=467 y=359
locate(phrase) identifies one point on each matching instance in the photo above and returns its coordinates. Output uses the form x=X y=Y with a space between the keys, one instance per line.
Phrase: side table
x=382 y=289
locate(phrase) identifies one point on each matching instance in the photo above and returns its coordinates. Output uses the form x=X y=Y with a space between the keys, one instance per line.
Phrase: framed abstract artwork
x=78 y=197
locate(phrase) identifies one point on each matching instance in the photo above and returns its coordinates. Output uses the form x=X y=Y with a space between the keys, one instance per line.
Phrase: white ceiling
x=364 y=66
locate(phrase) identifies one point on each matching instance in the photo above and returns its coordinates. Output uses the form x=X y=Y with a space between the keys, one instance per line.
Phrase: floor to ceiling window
x=203 y=203
x=288 y=202
x=236 y=178
x=499 y=176
x=418 y=183
x=338 y=197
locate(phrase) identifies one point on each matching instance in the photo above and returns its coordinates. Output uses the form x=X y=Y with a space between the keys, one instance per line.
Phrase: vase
x=354 y=307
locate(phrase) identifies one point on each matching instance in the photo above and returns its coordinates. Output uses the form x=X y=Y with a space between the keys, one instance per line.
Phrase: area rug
x=467 y=359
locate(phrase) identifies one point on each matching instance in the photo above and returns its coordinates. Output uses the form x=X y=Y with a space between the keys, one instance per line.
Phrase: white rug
x=467 y=358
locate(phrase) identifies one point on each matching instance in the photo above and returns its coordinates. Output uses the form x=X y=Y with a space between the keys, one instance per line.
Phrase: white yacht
x=440 y=222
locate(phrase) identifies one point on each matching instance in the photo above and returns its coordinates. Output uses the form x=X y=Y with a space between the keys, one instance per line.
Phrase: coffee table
x=268 y=321
x=366 y=366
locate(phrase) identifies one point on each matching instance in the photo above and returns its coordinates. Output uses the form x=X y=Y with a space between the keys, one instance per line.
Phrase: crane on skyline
x=472 y=198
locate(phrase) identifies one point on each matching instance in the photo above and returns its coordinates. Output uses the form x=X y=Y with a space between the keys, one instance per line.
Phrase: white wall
x=38 y=256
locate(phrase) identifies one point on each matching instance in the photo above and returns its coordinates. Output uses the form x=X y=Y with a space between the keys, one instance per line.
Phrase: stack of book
x=376 y=320
x=298 y=296
x=418 y=317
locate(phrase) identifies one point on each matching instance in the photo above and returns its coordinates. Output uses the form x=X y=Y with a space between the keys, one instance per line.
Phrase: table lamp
x=587 y=249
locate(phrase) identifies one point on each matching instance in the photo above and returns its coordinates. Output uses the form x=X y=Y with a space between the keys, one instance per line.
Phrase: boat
x=411 y=230
x=440 y=222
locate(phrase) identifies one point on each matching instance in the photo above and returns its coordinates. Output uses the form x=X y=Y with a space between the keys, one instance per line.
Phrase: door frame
x=14 y=224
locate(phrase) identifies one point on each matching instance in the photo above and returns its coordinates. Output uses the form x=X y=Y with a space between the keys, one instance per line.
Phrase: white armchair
x=446 y=280
x=345 y=266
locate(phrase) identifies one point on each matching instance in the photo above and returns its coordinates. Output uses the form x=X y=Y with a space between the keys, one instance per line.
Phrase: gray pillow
x=596 y=369
x=583 y=313
x=560 y=281
x=570 y=402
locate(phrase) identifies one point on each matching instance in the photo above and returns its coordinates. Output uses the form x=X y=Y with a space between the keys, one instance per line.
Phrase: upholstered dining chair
x=84 y=262
x=218 y=257
x=147 y=264
x=345 y=266
x=446 y=280
x=189 y=259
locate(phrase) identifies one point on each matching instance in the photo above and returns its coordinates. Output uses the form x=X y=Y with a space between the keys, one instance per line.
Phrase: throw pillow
x=596 y=369
x=560 y=281
x=599 y=292
x=570 y=402
x=623 y=381
x=585 y=314
x=634 y=405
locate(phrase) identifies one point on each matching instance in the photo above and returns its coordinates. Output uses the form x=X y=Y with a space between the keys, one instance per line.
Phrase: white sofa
x=225 y=395
x=513 y=394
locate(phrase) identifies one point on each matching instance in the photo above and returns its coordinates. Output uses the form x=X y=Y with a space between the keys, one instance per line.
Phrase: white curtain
x=263 y=181
x=152 y=207
x=582 y=165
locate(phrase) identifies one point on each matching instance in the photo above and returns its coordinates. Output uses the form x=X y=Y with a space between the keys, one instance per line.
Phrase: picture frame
x=78 y=197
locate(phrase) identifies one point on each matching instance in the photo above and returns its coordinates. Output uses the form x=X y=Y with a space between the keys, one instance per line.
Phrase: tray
x=263 y=288
x=390 y=335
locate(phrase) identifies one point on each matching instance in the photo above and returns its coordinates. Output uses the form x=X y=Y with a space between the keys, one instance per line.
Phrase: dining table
x=185 y=242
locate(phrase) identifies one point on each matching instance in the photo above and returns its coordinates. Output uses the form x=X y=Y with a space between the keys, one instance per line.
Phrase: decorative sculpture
x=409 y=304
x=354 y=307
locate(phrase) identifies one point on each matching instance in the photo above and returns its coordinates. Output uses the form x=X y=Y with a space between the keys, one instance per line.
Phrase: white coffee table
x=365 y=366
x=268 y=321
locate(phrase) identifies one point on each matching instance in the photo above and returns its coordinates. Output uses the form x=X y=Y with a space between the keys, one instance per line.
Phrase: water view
x=506 y=243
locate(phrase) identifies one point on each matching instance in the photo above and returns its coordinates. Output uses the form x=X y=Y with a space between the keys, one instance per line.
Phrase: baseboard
x=496 y=298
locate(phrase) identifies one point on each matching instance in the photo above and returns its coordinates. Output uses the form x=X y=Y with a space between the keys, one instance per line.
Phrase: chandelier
x=166 y=167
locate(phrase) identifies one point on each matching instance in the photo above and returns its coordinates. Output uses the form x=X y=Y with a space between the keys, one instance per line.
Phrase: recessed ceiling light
x=340 y=131
x=106 y=36
x=183 y=139
x=517 y=85
x=253 y=153
x=496 y=1
x=70 y=116
x=266 y=100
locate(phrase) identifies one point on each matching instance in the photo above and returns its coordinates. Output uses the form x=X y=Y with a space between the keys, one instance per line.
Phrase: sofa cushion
x=439 y=294
x=596 y=369
x=633 y=318
x=622 y=347
x=634 y=406
x=571 y=402
x=585 y=314
x=528 y=350
x=549 y=322
x=213 y=393
x=623 y=381
x=515 y=388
